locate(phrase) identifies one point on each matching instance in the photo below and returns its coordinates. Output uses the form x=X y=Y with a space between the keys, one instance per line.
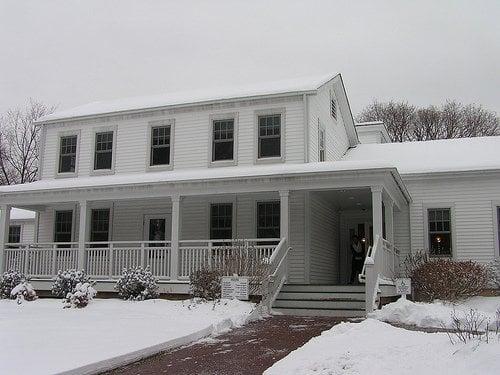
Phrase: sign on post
x=234 y=287
x=403 y=287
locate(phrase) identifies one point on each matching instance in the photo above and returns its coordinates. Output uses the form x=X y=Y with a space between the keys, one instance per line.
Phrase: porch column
x=284 y=215
x=82 y=234
x=4 y=232
x=377 y=211
x=389 y=220
x=174 y=256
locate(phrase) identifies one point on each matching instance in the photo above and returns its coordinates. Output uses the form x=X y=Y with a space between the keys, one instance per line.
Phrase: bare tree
x=19 y=143
x=427 y=124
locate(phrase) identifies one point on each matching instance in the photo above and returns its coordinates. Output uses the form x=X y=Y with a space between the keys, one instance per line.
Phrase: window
x=269 y=136
x=63 y=227
x=223 y=140
x=333 y=106
x=439 y=231
x=99 y=227
x=160 y=145
x=268 y=219
x=103 y=156
x=221 y=221
x=14 y=234
x=67 y=154
x=321 y=143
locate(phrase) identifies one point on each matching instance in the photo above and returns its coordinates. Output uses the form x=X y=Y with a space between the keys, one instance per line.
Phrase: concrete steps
x=321 y=300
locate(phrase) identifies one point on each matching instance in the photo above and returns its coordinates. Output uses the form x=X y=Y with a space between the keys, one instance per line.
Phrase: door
x=157 y=228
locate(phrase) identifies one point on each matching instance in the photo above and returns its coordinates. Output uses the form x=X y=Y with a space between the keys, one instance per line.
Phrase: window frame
x=95 y=131
x=256 y=224
x=157 y=124
x=60 y=135
x=270 y=159
x=233 y=217
x=110 y=213
x=219 y=117
x=20 y=226
x=437 y=206
x=73 y=216
x=496 y=227
x=321 y=130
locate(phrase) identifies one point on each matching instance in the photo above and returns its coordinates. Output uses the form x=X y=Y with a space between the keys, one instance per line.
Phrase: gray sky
x=73 y=52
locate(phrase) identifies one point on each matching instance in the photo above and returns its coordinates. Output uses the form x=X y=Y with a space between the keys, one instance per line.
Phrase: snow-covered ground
x=437 y=314
x=377 y=348
x=41 y=337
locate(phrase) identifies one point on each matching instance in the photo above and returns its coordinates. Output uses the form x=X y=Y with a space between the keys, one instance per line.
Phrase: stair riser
x=321 y=296
x=324 y=288
x=312 y=312
x=333 y=305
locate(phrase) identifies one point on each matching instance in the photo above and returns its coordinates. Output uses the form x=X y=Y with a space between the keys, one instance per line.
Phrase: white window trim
x=99 y=172
x=223 y=163
x=451 y=206
x=321 y=128
x=216 y=200
x=494 y=206
x=71 y=208
x=276 y=159
x=100 y=206
x=256 y=211
x=67 y=133
x=154 y=124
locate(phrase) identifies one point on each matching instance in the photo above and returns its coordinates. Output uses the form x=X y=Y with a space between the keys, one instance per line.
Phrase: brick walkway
x=247 y=350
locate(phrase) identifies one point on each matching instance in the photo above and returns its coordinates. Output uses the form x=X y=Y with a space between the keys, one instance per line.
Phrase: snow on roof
x=302 y=84
x=20 y=214
x=447 y=155
x=195 y=175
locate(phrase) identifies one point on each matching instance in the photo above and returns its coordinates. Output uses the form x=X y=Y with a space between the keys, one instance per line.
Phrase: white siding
x=297 y=264
x=27 y=229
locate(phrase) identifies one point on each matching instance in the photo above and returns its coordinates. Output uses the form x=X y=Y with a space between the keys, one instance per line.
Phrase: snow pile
x=57 y=340
x=377 y=348
x=437 y=314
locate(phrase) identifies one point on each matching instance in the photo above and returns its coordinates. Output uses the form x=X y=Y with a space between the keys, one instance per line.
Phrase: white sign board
x=234 y=287
x=403 y=286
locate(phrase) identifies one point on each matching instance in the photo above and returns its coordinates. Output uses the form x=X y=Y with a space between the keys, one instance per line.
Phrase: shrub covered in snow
x=448 y=280
x=81 y=295
x=205 y=283
x=66 y=281
x=9 y=280
x=137 y=284
x=23 y=292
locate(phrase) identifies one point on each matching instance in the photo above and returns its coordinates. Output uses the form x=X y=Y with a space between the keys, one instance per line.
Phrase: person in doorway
x=357 y=258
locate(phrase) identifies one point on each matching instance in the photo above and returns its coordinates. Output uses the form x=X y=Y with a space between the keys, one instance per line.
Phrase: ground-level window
x=14 y=234
x=67 y=154
x=103 y=156
x=439 y=231
x=269 y=136
x=221 y=221
x=268 y=219
x=223 y=140
x=63 y=226
x=321 y=143
x=99 y=225
x=160 y=145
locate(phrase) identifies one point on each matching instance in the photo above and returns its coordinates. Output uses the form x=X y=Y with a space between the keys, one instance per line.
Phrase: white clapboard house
x=171 y=181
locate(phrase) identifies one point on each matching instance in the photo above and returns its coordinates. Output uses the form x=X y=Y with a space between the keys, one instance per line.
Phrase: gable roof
x=446 y=155
x=200 y=96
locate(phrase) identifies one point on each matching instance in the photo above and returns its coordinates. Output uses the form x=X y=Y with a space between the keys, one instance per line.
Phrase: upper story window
x=223 y=140
x=268 y=219
x=99 y=227
x=103 y=157
x=221 y=221
x=321 y=143
x=67 y=154
x=160 y=145
x=333 y=106
x=269 y=138
x=14 y=234
x=440 y=239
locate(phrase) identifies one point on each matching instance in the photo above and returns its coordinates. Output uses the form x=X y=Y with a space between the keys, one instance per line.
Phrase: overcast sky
x=68 y=53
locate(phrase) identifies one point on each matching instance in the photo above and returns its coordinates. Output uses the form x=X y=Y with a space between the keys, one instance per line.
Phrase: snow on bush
x=205 y=284
x=81 y=295
x=9 y=280
x=23 y=292
x=66 y=281
x=137 y=284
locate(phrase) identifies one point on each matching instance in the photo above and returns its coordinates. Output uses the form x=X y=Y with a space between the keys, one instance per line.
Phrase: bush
x=23 y=292
x=448 y=280
x=205 y=284
x=9 y=280
x=80 y=296
x=137 y=284
x=66 y=281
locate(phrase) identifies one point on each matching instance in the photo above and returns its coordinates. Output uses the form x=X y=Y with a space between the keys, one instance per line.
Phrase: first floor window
x=14 y=234
x=321 y=143
x=268 y=219
x=221 y=221
x=63 y=227
x=223 y=140
x=103 y=156
x=99 y=225
x=269 y=136
x=160 y=145
x=67 y=154
x=439 y=231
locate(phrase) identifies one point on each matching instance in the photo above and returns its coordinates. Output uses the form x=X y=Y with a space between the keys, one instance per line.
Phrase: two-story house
x=172 y=181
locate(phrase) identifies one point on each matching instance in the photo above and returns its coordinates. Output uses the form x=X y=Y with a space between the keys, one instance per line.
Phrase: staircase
x=321 y=300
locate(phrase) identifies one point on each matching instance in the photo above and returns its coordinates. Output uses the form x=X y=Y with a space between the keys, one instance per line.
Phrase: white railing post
x=26 y=264
x=370 y=284
x=377 y=211
x=210 y=244
x=111 y=260
x=82 y=234
x=389 y=220
x=54 y=259
x=284 y=214
x=143 y=254
x=4 y=232
x=174 y=270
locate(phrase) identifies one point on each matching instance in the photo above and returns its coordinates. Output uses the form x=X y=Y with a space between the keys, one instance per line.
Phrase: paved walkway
x=247 y=350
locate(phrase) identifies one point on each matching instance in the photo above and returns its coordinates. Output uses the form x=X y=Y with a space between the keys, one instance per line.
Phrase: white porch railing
x=278 y=264
x=381 y=266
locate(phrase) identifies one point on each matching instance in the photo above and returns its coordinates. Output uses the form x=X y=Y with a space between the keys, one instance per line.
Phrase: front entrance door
x=157 y=228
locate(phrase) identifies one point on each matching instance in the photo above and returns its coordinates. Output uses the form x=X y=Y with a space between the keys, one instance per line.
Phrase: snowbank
x=43 y=338
x=377 y=348
x=437 y=314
